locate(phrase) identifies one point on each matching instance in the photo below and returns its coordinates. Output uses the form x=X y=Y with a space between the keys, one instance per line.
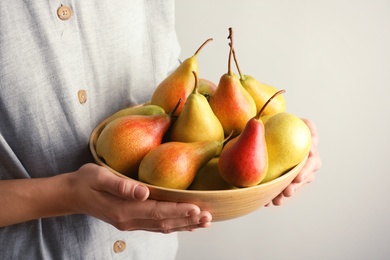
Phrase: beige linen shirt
x=65 y=66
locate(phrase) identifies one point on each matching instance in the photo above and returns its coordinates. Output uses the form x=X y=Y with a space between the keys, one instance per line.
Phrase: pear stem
x=269 y=100
x=228 y=137
x=230 y=37
x=195 y=91
x=203 y=44
x=238 y=67
x=175 y=108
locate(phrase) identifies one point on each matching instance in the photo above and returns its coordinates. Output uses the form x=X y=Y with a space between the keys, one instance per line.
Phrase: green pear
x=197 y=121
x=261 y=92
x=231 y=103
x=175 y=164
x=288 y=141
x=208 y=178
x=138 y=110
x=178 y=85
x=244 y=159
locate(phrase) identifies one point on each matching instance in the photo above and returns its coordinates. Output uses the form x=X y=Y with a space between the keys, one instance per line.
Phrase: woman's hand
x=124 y=203
x=95 y=191
x=307 y=174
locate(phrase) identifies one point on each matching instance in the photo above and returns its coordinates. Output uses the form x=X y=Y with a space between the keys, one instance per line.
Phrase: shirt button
x=119 y=246
x=64 y=12
x=82 y=95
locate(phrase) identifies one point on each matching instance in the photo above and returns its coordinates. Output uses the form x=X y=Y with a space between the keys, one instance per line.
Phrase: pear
x=175 y=164
x=244 y=160
x=261 y=92
x=208 y=178
x=231 y=103
x=265 y=118
x=196 y=121
x=138 y=110
x=179 y=84
x=288 y=141
x=206 y=88
x=124 y=141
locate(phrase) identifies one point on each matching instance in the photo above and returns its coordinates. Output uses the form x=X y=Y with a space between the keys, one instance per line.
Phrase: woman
x=65 y=66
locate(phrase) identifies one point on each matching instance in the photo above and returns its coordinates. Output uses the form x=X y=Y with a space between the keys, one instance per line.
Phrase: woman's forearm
x=26 y=199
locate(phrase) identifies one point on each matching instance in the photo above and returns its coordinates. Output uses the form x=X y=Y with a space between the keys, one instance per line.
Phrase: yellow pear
x=197 y=121
x=288 y=141
x=265 y=118
x=261 y=92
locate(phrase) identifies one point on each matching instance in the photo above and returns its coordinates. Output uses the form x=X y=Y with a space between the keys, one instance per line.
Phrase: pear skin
x=261 y=92
x=138 y=110
x=208 y=178
x=126 y=140
x=206 y=88
x=197 y=121
x=231 y=103
x=175 y=164
x=288 y=141
x=244 y=160
x=265 y=118
x=178 y=85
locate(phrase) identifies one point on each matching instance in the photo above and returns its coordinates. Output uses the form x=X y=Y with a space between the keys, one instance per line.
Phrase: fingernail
x=204 y=220
x=193 y=212
x=140 y=192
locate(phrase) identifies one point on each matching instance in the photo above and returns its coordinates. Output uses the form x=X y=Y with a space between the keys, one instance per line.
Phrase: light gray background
x=333 y=58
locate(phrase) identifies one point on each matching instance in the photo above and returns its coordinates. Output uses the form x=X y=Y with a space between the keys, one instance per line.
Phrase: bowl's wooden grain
x=222 y=204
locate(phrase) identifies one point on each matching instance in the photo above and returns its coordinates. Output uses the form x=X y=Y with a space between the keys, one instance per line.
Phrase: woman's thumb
x=126 y=188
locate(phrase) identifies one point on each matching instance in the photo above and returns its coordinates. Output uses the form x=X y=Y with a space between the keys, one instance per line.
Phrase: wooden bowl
x=222 y=204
